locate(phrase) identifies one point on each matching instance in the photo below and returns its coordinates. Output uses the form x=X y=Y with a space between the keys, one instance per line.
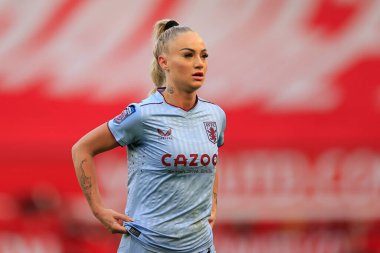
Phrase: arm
x=83 y=152
x=212 y=218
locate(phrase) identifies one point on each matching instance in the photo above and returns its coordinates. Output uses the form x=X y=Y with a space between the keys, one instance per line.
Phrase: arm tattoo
x=216 y=197
x=85 y=182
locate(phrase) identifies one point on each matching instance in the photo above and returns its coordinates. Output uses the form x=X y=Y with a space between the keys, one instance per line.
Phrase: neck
x=181 y=99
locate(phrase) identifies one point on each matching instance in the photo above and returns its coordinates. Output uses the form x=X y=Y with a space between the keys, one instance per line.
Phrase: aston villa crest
x=211 y=131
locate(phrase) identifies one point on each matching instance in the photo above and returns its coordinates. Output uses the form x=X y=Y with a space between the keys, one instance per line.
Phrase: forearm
x=212 y=218
x=86 y=175
x=95 y=142
x=215 y=192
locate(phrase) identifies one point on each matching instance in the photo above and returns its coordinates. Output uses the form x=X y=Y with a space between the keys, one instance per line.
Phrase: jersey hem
x=140 y=239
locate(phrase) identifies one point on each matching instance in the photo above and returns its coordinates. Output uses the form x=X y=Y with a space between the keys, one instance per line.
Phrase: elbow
x=81 y=149
x=75 y=150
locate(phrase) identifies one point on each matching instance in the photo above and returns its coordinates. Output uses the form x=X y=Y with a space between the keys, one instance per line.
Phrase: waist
x=185 y=239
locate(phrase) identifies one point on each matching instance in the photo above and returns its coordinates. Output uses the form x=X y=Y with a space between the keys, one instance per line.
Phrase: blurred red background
x=299 y=81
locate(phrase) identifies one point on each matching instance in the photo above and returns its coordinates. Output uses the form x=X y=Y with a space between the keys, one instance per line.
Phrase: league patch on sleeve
x=124 y=114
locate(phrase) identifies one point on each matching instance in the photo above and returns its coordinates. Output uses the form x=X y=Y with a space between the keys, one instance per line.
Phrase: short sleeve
x=221 y=135
x=126 y=127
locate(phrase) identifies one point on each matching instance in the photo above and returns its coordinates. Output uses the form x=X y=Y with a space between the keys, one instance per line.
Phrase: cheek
x=181 y=67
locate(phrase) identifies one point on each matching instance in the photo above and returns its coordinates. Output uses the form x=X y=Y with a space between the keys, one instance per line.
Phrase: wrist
x=97 y=210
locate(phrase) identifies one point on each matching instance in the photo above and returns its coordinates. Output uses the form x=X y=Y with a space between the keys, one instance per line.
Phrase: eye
x=205 y=55
x=188 y=55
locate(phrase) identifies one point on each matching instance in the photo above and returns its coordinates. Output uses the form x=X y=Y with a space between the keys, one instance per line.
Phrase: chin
x=190 y=86
x=195 y=86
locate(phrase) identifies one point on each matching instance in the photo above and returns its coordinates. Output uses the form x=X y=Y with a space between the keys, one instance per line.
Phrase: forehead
x=187 y=40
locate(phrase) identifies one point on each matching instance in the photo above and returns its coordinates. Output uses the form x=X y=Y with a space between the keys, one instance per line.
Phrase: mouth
x=199 y=76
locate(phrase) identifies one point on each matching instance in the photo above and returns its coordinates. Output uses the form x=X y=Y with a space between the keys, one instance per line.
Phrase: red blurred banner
x=300 y=84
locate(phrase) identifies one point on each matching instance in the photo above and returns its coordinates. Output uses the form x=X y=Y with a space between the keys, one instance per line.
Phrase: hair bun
x=170 y=24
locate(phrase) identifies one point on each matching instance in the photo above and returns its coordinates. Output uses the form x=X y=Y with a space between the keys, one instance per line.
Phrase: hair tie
x=170 y=24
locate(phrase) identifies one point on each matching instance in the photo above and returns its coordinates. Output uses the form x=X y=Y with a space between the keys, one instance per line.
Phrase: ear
x=163 y=62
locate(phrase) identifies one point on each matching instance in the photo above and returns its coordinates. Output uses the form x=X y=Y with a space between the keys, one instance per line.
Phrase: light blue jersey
x=172 y=154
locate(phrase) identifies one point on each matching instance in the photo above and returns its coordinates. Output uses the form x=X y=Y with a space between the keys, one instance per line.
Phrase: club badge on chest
x=211 y=131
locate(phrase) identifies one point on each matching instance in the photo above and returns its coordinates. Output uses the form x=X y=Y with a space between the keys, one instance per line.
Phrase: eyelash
x=190 y=55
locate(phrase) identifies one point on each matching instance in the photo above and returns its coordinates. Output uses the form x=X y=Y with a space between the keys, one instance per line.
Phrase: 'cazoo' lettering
x=191 y=160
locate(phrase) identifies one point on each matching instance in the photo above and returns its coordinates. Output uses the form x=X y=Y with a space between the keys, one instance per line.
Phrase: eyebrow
x=192 y=50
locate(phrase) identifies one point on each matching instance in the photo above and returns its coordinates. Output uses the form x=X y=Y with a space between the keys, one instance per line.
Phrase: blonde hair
x=161 y=37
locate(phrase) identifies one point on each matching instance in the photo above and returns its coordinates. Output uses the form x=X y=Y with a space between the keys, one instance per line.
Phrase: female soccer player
x=172 y=139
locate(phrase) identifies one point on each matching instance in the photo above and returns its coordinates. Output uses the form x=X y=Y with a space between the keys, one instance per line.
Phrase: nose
x=199 y=62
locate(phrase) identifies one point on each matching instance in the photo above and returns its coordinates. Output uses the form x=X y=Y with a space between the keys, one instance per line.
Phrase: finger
x=117 y=228
x=123 y=217
x=120 y=221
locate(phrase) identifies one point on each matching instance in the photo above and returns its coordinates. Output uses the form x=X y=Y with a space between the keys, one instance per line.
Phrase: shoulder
x=208 y=103
x=149 y=106
x=150 y=101
x=212 y=106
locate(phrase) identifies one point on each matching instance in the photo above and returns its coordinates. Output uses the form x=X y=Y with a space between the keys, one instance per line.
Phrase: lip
x=199 y=76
